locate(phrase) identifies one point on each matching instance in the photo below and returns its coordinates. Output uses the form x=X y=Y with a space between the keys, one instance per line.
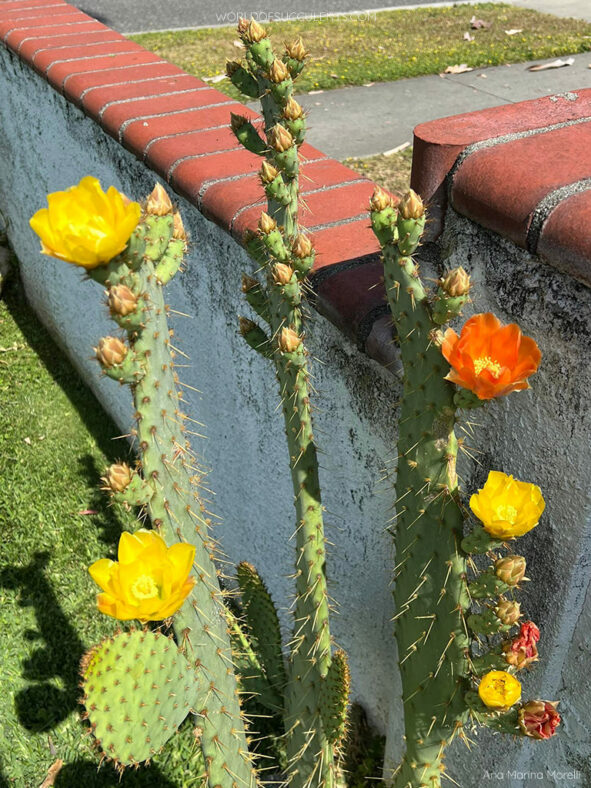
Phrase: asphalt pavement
x=137 y=16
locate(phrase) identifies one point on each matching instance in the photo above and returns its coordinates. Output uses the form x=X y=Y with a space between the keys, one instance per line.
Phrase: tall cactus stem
x=430 y=591
x=310 y=748
x=167 y=466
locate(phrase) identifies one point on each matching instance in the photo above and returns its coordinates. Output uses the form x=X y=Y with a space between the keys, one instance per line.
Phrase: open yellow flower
x=149 y=582
x=85 y=226
x=499 y=690
x=507 y=507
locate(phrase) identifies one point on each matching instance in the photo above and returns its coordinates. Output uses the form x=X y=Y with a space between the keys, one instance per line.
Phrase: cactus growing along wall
x=317 y=683
x=134 y=263
x=441 y=652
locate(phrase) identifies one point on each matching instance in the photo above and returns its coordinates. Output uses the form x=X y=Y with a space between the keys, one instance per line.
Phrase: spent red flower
x=522 y=650
x=489 y=358
x=539 y=719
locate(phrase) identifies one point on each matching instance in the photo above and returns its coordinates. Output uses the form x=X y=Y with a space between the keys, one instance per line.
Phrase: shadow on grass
x=97 y=422
x=42 y=705
x=86 y=773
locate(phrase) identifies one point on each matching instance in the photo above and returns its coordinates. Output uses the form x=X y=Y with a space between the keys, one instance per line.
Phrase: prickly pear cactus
x=285 y=254
x=445 y=662
x=134 y=251
x=138 y=687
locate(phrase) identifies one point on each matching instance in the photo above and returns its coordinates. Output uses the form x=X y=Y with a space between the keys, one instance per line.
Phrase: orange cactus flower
x=489 y=358
x=149 y=582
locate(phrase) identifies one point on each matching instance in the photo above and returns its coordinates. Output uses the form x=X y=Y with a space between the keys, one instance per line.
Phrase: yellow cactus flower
x=499 y=690
x=507 y=507
x=149 y=582
x=85 y=226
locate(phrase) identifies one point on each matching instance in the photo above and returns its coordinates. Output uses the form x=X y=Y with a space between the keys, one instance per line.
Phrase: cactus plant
x=435 y=631
x=316 y=682
x=134 y=261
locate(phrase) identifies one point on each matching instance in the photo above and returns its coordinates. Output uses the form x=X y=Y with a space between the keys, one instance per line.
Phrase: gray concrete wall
x=542 y=435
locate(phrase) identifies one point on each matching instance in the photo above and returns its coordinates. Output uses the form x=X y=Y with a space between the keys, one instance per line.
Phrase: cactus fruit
x=138 y=687
x=435 y=631
x=316 y=682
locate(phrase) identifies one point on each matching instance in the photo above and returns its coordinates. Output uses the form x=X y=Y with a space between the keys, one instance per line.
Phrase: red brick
x=114 y=116
x=191 y=176
x=12 y=31
x=89 y=34
x=500 y=187
x=71 y=57
x=97 y=98
x=10 y=6
x=139 y=133
x=62 y=73
x=162 y=154
x=437 y=144
x=347 y=297
x=565 y=241
x=343 y=242
x=222 y=201
x=334 y=205
x=324 y=206
x=31 y=12
x=78 y=86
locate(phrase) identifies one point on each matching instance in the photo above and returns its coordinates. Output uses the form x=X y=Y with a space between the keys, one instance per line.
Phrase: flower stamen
x=488 y=364
x=507 y=513
x=145 y=587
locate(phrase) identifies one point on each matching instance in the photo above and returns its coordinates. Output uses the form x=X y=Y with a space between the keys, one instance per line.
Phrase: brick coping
x=179 y=126
x=522 y=170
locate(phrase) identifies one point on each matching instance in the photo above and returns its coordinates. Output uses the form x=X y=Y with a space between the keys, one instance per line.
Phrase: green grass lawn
x=54 y=442
x=397 y=44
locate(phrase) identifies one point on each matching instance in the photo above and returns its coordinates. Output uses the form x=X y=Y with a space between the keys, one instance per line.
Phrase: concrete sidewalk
x=362 y=121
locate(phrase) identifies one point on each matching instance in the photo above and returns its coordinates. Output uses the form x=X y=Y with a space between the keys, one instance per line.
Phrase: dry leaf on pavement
x=460 y=69
x=553 y=64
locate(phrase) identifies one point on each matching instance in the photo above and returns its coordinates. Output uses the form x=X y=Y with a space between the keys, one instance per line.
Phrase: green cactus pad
x=334 y=698
x=138 y=688
x=263 y=624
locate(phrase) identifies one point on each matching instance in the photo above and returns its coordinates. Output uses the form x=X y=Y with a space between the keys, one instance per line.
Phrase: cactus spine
x=154 y=254
x=286 y=255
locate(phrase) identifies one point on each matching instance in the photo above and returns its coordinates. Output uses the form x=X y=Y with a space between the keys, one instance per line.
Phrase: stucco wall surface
x=543 y=435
